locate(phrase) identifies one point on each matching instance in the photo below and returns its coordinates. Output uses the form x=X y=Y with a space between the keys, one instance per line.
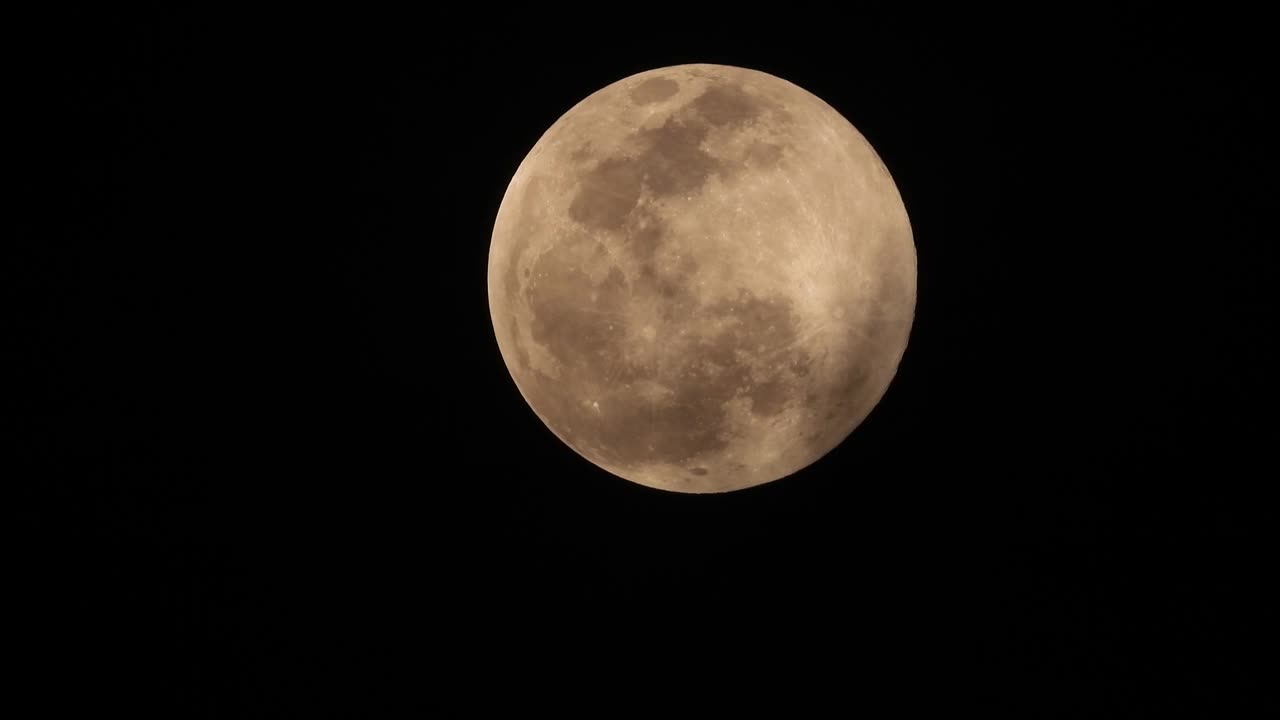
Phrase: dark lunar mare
x=752 y=354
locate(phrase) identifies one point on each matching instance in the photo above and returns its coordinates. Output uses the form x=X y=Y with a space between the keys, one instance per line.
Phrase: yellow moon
x=702 y=278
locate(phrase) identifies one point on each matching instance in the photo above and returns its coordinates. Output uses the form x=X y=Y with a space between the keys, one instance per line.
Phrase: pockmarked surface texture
x=702 y=278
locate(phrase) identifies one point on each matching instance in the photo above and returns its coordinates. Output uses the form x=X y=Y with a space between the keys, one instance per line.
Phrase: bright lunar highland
x=702 y=278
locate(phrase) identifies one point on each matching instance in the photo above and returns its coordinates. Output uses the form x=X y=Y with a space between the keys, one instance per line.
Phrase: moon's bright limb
x=702 y=278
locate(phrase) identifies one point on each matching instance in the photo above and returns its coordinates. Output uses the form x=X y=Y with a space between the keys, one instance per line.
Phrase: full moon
x=702 y=278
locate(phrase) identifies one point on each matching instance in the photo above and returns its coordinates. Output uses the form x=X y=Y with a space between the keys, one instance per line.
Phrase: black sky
x=270 y=462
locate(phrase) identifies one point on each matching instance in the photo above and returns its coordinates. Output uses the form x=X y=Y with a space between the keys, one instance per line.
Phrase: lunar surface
x=702 y=278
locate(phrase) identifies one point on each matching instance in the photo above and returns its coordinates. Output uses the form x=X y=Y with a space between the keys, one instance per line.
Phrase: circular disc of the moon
x=702 y=278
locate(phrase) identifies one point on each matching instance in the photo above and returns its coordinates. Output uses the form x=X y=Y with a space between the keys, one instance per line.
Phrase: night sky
x=269 y=461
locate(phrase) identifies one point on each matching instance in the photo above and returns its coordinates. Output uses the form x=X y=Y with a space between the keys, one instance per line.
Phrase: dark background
x=269 y=461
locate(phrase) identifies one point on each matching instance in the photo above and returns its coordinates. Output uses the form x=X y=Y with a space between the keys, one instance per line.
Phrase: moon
x=702 y=278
